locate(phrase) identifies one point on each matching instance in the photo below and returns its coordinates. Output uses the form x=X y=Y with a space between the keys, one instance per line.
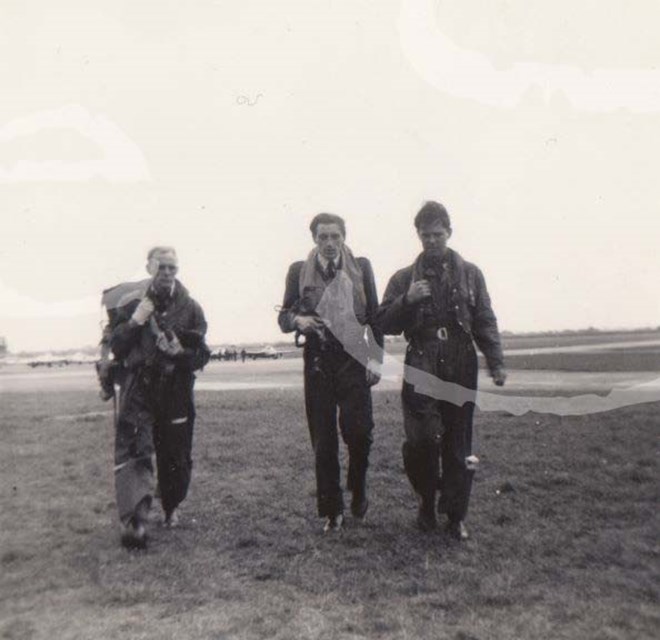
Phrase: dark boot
x=457 y=530
x=133 y=535
x=133 y=531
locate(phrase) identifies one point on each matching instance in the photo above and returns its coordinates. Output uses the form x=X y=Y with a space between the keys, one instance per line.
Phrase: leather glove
x=373 y=372
x=143 y=311
x=169 y=347
x=499 y=376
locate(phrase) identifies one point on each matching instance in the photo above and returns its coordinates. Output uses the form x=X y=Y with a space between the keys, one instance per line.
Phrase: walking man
x=331 y=300
x=442 y=306
x=156 y=334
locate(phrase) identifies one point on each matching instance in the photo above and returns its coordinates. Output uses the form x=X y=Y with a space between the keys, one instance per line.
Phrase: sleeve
x=104 y=344
x=395 y=314
x=199 y=321
x=291 y=300
x=375 y=334
x=195 y=350
x=484 y=325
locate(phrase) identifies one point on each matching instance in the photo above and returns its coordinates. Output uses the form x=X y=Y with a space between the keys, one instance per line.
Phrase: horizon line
x=504 y=333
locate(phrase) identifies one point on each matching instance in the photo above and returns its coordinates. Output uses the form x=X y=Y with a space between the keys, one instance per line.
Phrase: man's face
x=329 y=240
x=434 y=238
x=165 y=268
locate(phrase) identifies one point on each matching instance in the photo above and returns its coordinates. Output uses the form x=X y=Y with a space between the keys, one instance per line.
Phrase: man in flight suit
x=156 y=334
x=442 y=306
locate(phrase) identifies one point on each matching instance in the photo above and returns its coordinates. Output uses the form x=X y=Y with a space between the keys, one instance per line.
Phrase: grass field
x=564 y=532
x=638 y=359
x=605 y=359
x=554 y=340
x=578 y=338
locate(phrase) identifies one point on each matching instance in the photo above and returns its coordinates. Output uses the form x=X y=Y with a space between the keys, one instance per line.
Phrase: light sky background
x=223 y=127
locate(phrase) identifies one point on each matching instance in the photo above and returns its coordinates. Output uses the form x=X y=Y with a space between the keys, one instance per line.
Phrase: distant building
x=3 y=347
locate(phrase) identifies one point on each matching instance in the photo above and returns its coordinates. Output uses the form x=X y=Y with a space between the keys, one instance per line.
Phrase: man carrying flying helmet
x=156 y=334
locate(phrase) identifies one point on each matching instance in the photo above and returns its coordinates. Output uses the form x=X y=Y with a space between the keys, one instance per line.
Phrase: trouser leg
x=358 y=463
x=356 y=424
x=322 y=421
x=421 y=462
x=173 y=436
x=133 y=450
x=311 y=392
x=456 y=480
x=173 y=462
x=421 y=449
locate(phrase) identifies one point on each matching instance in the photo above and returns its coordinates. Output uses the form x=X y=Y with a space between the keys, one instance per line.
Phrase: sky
x=223 y=127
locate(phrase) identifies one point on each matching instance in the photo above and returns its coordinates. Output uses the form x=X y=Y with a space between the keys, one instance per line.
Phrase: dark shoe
x=426 y=520
x=457 y=530
x=359 y=506
x=333 y=523
x=133 y=536
x=171 y=519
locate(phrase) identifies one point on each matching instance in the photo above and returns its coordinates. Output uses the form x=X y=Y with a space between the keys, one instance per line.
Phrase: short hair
x=430 y=213
x=157 y=251
x=327 y=218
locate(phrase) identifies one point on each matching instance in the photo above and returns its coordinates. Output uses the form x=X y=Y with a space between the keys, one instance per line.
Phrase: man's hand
x=308 y=324
x=417 y=291
x=170 y=347
x=143 y=311
x=373 y=372
x=499 y=376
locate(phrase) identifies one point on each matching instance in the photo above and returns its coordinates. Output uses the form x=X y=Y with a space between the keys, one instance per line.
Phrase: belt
x=441 y=333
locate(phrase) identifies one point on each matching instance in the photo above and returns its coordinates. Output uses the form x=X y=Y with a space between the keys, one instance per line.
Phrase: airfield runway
x=281 y=374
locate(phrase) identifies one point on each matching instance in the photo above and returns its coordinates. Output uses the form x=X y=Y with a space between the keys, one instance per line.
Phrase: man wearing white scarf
x=341 y=361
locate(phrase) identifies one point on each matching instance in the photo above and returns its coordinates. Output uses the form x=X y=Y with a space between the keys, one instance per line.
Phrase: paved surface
x=224 y=376
x=586 y=348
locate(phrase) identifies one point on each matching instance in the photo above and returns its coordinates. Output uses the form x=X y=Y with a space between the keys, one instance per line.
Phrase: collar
x=324 y=261
x=450 y=264
x=170 y=293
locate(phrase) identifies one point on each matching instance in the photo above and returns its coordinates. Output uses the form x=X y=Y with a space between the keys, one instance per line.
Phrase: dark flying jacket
x=136 y=346
x=470 y=306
